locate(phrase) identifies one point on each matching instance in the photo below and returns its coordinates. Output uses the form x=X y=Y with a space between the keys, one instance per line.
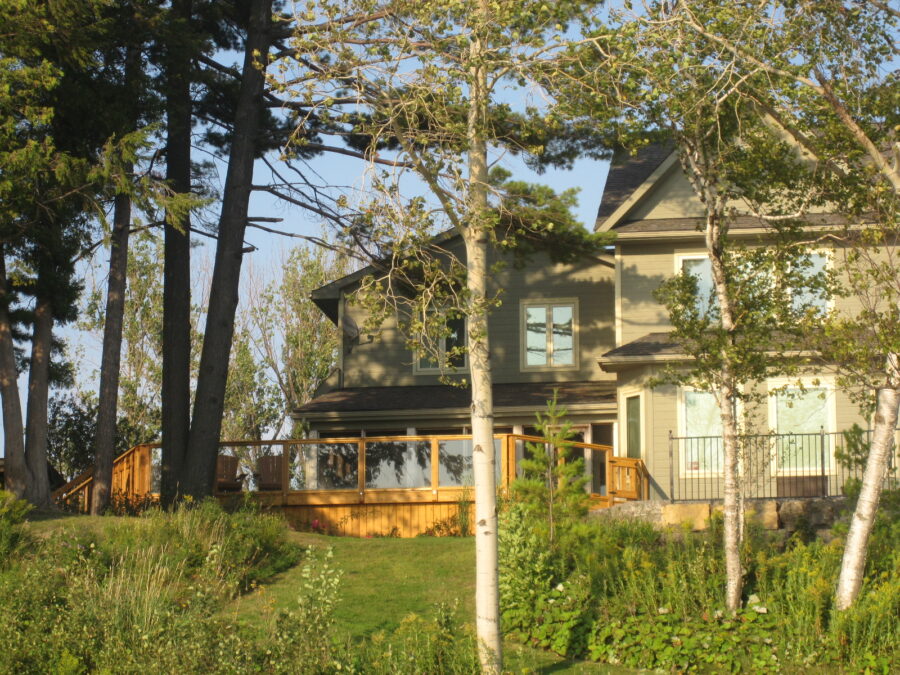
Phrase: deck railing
x=772 y=465
x=367 y=470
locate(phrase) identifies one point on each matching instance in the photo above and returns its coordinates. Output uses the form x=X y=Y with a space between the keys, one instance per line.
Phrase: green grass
x=385 y=580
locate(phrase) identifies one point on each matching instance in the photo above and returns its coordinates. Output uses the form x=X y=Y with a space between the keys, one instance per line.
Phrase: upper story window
x=699 y=267
x=549 y=334
x=450 y=347
x=813 y=295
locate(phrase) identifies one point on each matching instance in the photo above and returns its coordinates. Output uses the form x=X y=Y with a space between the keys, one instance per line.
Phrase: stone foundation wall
x=771 y=514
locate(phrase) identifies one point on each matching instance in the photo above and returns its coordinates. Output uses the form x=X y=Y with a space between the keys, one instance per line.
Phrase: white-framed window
x=700 y=425
x=816 y=298
x=799 y=413
x=451 y=347
x=631 y=428
x=699 y=266
x=549 y=334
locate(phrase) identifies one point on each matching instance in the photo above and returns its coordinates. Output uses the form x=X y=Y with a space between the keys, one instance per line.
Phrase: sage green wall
x=384 y=359
x=660 y=416
x=645 y=264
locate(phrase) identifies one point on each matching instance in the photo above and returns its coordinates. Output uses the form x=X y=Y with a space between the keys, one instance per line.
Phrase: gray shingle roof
x=626 y=174
x=652 y=344
x=425 y=397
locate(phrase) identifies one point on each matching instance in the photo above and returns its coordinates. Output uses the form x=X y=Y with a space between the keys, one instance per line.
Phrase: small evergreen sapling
x=551 y=488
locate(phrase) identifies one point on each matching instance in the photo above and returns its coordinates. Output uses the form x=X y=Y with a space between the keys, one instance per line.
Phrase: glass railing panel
x=455 y=462
x=398 y=464
x=324 y=466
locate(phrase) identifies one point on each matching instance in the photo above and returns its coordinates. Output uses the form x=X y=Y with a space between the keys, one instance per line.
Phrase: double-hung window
x=812 y=295
x=701 y=428
x=699 y=267
x=451 y=348
x=549 y=334
x=803 y=418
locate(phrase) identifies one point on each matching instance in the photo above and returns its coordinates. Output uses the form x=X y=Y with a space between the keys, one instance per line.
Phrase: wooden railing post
x=361 y=483
x=285 y=470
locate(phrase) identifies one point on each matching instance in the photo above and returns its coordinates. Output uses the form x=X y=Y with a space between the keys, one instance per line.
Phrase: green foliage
x=551 y=487
x=145 y=593
x=664 y=641
x=630 y=595
x=420 y=645
x=12 y=516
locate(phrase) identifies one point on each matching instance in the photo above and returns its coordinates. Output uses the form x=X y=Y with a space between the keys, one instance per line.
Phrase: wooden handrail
x=626 y=478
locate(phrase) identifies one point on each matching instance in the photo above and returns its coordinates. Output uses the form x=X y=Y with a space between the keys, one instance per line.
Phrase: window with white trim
x=701 y=427
x=549 y=334
x=812 y=295
x=802 y=418
x=700 y=267
x=451 y=350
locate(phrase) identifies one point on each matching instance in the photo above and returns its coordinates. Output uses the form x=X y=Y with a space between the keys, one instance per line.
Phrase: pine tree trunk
x=487 y=593
x=38 y=492
x=176 y=338
x=105 y=439
x=17 y=475
x=853 y=564
x=200 y=462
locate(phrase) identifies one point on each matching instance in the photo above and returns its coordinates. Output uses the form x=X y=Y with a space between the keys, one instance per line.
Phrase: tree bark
x=853 y=564
x=105 y=439
x=176 y=338
x=17 y=477
x=732 y=531
x=200 y=465
x=487 y=593
x=38 y=491
x=702 y=173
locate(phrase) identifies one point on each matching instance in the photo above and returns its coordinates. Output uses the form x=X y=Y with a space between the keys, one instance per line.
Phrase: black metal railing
x=772 y=465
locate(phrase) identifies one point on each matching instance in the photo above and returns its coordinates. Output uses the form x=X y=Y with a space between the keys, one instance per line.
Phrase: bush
x=12 y=518
x=436 y=646
x=144 y=595
x=628 y=594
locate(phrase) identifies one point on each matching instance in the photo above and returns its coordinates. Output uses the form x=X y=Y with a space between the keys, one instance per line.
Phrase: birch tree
x=831 y=86
x=657 y=74
x=426 y=87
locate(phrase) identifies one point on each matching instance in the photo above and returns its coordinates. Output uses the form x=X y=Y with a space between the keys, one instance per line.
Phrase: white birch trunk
x=853 y=564
x=487 y=592
x=727 y=393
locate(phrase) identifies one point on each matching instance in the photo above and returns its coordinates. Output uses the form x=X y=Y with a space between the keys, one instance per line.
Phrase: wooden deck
x=373 y=486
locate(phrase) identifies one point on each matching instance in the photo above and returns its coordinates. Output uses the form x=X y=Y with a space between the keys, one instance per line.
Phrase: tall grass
x=656 y=598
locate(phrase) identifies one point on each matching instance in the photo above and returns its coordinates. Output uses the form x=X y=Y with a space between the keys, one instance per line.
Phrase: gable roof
x=627 y=175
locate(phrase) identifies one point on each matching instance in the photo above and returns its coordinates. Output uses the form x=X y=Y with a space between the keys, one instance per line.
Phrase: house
x=650 y=204
x=618 y=344
x=388 y=450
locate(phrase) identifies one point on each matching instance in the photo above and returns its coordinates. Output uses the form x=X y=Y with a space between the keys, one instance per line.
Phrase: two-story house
x=594 y=332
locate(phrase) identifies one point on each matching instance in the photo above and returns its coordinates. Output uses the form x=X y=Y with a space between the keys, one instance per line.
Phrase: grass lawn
x=385 y=580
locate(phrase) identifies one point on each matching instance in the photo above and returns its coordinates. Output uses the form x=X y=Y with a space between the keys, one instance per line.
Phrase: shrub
x=12 y=518
x=438 y=645
x=144 y=595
